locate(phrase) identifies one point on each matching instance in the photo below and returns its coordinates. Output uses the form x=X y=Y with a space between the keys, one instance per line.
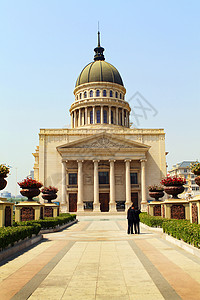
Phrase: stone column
x=117 y=116
x=128 y=119
x=86 y=116
x=75 y=119
x=128 y=184
x=79 y=117
x=143 y=186
x=112 y=186
x=72 y=120
x=102 y=114
x=64 y=188
x=96 y=204
x=93 y=112
x=109 y=114
x=80 y=186
x=122 y=117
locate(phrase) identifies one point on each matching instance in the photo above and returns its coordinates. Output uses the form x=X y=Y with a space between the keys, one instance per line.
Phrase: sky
x=45 y=44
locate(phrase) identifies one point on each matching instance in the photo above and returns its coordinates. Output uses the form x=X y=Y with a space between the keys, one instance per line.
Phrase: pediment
x=104 y=141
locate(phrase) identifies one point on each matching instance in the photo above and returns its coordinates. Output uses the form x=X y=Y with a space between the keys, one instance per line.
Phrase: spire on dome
x=99 y=50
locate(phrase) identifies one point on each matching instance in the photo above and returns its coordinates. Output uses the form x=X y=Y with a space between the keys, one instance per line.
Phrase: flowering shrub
x=4 y=171
x=175 y=180
x=50 y=189
x=195 y=167
x=30 y=183
x=155 y=188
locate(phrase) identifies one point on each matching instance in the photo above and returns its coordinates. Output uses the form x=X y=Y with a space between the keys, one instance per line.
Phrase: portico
x=110 y=167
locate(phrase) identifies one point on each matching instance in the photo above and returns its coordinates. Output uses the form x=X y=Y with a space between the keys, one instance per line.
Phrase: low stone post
x=6 y=213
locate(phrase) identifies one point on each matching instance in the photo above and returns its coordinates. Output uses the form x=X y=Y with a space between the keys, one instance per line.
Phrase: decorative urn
x=156 y=192
x=30 y=188
x=4 y=171
x=173 y=185
x=49 y=193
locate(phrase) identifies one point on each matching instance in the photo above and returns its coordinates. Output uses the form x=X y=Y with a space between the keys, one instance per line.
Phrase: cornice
x=96 y=85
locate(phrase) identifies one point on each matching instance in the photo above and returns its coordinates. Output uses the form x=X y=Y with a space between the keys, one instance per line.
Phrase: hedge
x=179 y=229
x=10 y=235
x=49 y=222
x=183 y=230
x=151 y=221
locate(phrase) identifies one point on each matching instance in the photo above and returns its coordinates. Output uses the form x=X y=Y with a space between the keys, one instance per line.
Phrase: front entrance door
x=104 y=201
x=134 y=199
x=72 y=202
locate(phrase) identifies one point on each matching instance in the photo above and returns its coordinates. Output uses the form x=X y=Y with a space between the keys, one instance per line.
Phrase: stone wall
x=194 y=213
x=177 y=211
x=27 y=214
x=157 y=210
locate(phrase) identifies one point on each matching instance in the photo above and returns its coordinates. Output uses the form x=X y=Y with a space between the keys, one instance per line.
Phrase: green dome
x=99 y=71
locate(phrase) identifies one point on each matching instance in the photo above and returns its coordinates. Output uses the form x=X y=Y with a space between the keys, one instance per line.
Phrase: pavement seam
x=34 y=283
x=161 y=283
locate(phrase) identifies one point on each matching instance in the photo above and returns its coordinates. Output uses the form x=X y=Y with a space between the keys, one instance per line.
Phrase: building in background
x=6 y=194
x=183 y=169
x=100 y=163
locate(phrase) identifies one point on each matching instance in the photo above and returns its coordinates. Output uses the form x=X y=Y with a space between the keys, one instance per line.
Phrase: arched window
x=80 y=96
x=116 y=94
x=111 y=93
x=98 y=116
x=120 y=96
x=91 y=93
x=85 y=94
x=120 y=118
x=105 y=116
x=77 y=97
x=97 y=93
x=104 y=93
x=111 y=117
x=91 y=117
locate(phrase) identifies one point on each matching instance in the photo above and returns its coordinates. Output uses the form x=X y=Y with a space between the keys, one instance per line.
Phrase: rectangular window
x=103 y=177
x=134 y=178
x=72 y=178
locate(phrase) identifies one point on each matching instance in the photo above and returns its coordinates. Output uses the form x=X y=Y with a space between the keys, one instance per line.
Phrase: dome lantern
x=99 y=50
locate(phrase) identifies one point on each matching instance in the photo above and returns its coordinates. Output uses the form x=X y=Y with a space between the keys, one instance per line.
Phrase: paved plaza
x=96 y=259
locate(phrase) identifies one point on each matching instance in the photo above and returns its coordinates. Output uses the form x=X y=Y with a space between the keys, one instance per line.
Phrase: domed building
x=100 y=164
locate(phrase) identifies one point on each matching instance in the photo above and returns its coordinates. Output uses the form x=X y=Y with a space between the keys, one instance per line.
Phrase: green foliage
x=49 y=222
x=10 y=235
x=151 y=221
x=183 y=230
x=179 y=229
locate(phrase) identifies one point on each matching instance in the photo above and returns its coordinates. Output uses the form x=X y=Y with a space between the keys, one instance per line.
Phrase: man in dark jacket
x=137 y=220
x=131 y=219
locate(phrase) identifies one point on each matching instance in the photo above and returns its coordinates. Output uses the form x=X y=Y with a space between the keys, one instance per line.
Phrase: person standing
x=131 y=219
x=137 y=220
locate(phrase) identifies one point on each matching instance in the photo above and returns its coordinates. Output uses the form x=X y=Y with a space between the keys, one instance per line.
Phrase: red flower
x=30 y=183
x=174 y=180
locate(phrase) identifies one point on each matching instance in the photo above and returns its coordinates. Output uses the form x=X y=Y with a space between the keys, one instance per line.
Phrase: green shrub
x=10 y=235
x=183 y=230
x=151 y=221
x=49 y=222
x=179 y=229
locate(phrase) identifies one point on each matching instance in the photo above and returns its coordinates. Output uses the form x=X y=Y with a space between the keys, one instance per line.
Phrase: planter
x=30 y=193
x=197 y=180
x=156 y=194
x=49 y=196
x=174 y=190
x=3 y=182
x=196 y=172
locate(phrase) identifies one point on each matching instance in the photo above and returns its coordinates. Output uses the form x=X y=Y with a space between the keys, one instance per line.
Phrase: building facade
x=100 y=163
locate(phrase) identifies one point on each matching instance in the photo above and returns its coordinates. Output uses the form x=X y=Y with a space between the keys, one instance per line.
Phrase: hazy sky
x=45 y=44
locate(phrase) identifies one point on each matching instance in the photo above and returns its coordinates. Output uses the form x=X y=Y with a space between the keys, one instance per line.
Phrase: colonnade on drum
x=99 y=115
x=112 y=202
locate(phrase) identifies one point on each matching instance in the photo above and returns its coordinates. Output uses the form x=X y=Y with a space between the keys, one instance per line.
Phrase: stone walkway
x=96 y=259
